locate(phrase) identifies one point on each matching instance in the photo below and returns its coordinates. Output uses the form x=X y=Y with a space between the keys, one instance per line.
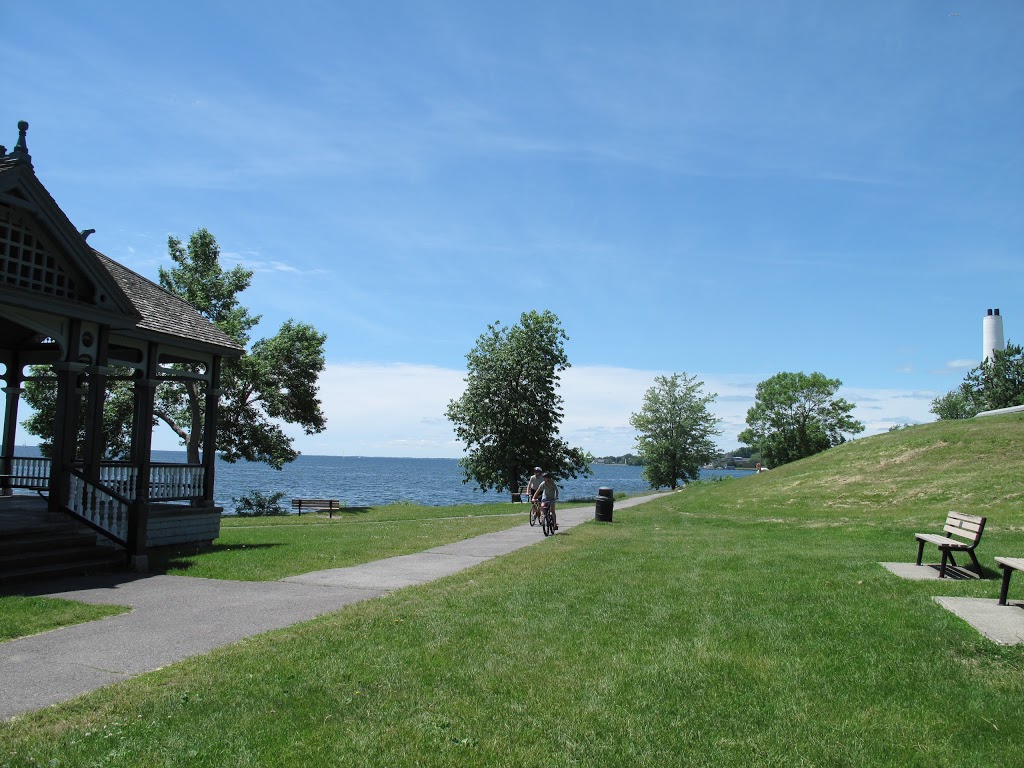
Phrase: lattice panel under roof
x=26 y=261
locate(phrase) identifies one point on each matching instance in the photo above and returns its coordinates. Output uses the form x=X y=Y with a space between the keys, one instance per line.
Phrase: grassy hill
x=737 y=623
x=913 y=474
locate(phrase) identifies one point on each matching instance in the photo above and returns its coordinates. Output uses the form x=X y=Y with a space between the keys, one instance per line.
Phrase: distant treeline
x=741 y=457
x=629 y=460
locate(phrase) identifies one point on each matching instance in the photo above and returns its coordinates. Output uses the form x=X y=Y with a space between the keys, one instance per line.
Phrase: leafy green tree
x=275 y=382
x=675 y=429
x=997 y=383
x=796 y=415
x=509 y=414
x=957 y=404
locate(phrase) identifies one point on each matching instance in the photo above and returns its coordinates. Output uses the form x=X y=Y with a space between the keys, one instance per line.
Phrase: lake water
x=369 y=481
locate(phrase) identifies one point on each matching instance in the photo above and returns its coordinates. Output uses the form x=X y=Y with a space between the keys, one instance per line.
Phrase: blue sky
x=727 y=189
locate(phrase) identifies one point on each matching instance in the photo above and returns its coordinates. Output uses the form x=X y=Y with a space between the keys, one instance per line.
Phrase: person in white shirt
x=548 y=491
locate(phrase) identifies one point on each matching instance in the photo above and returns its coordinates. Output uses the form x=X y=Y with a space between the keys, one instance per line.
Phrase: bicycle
x=534 y=512
x=547 y=518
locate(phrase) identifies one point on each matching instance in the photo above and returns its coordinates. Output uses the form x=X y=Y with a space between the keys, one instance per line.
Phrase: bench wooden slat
x=970 y=525
x=967 y=518
x=1017 y=563
x=968 y=530
x=943 y=541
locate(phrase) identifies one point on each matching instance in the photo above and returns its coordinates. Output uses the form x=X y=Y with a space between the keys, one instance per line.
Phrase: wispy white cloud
x=278 y=267
x=880 y=409
x=957 y=366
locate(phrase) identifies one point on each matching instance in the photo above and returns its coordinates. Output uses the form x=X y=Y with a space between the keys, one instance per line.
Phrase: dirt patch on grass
x=839 y=522
x=844 y=480
x=942 y=492
x=912 y=454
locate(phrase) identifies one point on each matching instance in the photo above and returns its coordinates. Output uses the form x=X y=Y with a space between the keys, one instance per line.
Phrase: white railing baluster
x=175 y=481
x=30 y=472
x=98 y=507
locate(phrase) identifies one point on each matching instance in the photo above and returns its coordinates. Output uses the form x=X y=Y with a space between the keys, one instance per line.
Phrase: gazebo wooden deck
x=85 y=320
x=22 y=513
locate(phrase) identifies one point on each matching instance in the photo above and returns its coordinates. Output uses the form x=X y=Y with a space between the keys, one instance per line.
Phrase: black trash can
x=605 y=500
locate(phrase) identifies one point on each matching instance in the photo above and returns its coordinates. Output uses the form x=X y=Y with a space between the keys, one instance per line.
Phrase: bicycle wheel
x=545 y=522
x=533 y=514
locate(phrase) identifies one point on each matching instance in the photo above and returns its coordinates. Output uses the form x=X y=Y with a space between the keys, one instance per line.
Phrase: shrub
x=256 y=504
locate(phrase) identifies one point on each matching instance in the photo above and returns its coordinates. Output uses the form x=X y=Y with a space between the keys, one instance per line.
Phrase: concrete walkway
x=175 y=617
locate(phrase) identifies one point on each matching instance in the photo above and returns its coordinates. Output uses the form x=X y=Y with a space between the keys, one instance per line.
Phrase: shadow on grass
x=347 y=512
x=963 y=573
x=179 y=559
x=54 y=587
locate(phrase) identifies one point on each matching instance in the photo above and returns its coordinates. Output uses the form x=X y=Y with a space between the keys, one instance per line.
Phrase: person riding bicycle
x=534 y=482
x=548 y=491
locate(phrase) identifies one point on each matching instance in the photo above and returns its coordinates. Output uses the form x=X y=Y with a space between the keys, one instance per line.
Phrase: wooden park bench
x=316 y=505
x=961 y=534
x=1009 y=565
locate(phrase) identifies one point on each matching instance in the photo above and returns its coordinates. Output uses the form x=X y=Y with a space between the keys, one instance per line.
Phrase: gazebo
x=87 y=320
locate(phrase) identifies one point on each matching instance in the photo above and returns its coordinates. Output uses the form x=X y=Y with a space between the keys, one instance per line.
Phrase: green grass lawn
x=21 y=615
x=740 y=623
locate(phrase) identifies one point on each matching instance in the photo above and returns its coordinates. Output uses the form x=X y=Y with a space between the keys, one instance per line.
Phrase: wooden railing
x=102 y=508
x=119 y=477
x=29 y=472
x=176 y=481
x=167 y=482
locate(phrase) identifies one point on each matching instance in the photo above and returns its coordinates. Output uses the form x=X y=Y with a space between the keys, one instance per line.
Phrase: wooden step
x=60 y=571
x=52 y=547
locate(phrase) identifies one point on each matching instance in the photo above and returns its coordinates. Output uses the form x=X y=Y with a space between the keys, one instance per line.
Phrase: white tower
x=992 y=334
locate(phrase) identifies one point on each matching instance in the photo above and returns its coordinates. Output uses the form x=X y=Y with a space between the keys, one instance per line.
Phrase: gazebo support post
x=65 y=424
x=142 y=460
x=12 y=389
x=93 y=448
x=213 y=393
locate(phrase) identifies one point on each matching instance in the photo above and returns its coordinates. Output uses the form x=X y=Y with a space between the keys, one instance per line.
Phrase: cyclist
x=548 y=491
x=531 y=487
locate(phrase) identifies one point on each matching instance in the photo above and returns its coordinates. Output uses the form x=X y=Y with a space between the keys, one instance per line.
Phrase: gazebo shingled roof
x=163 y=312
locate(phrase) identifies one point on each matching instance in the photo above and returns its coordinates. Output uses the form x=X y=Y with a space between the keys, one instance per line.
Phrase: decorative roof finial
x=20 y=151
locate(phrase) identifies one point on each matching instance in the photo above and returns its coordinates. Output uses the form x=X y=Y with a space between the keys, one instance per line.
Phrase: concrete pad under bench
x=929 y=572
x=1002 y=624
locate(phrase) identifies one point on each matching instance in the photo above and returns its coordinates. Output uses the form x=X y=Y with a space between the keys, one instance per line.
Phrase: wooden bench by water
x=316 y=505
